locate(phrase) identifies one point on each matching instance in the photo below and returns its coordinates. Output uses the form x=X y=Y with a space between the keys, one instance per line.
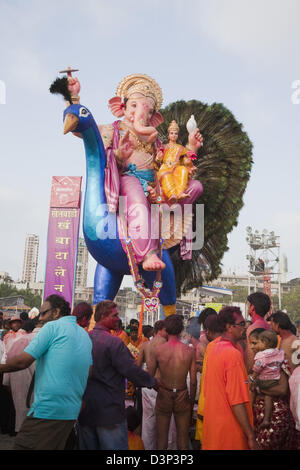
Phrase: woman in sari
x=279 y=435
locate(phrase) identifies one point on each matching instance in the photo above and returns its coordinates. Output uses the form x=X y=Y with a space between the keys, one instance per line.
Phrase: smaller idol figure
x=176 y=166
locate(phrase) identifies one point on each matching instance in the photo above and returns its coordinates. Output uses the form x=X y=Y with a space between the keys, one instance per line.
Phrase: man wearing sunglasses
x=228 y=420
x=63 y=354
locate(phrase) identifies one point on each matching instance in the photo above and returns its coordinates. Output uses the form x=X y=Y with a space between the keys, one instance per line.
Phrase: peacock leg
x=106 y=284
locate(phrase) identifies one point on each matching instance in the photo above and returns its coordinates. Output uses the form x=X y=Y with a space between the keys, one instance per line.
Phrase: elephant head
x=140 y=112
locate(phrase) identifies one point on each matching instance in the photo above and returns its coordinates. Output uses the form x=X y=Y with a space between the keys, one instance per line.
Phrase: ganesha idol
x=134 y=141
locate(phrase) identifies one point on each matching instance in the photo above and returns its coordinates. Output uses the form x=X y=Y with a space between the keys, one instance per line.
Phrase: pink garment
x=11 y=337
x=294 y=383
x=260 y=323
x=138 y=217
x=19 y=381
x=112 y=179
x=268 y=363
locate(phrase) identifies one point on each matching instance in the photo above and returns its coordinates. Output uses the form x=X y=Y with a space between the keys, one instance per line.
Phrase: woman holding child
x=274 y=429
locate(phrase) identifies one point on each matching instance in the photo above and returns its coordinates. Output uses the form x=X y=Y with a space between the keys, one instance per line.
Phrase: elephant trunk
x=141 y=127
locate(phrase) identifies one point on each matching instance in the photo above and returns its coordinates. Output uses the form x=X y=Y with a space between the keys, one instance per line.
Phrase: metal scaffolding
x=264 y=260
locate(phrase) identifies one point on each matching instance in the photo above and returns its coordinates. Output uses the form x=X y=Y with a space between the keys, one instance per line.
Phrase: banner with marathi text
x=63 y=232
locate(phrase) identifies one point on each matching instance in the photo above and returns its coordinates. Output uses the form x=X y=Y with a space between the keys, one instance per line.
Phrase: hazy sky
x=244 y=54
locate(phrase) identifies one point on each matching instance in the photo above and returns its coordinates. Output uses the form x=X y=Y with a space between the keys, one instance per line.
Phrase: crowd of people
x=79 y=380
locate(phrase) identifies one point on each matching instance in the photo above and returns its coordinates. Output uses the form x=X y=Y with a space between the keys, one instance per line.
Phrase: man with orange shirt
x=228 y=420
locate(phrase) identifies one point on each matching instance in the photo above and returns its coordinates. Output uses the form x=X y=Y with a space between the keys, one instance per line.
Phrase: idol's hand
x=152 y=197
x=159 y=155
x=192 y=170
x=195 y=140
x=126 y=147
x=73 y=86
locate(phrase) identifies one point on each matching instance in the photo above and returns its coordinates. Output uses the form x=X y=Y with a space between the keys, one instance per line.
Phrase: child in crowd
x=266 y=369
x=133 y=421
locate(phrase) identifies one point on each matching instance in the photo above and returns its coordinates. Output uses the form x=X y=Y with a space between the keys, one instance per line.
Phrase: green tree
x=6 y=290
x=30 y=299
x=223 y=167
x=291 y=303
x=239 y=294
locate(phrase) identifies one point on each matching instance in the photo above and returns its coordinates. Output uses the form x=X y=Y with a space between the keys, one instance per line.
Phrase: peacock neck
x=95 y=175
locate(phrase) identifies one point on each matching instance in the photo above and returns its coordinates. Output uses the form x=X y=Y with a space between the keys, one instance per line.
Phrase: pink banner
x=63 y=231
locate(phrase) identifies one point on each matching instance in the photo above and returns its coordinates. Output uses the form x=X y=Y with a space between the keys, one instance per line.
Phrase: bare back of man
x=174 y=360
x=146 y=352
x=290 y=345
x=149 y=396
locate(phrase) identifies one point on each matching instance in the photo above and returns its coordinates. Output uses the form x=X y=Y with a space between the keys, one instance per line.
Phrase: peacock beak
x=70 y=123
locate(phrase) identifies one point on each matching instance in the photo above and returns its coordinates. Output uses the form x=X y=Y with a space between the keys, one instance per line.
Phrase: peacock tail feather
x=223 y=166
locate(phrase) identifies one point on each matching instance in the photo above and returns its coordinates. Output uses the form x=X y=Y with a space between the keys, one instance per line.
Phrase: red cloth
x=280 y=434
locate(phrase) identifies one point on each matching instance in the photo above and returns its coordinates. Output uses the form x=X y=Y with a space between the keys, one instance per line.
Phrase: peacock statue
x=106 y=248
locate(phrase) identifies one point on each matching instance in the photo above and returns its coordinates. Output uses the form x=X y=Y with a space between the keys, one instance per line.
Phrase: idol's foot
x=153 y=263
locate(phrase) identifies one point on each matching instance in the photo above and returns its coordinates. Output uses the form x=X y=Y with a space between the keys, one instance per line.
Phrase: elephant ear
x=156 y=119
x=223 y=166
x=116 y=106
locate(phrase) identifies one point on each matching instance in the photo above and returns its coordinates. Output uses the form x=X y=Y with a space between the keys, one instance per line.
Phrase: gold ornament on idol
x=143 y=146
x=143 y=84
x=140 y=144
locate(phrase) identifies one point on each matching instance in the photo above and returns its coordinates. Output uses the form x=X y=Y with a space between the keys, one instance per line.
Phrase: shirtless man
x=203 y=341
x=289 y=343
x=149 y=395
x=160 y=337
x=174 y=360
